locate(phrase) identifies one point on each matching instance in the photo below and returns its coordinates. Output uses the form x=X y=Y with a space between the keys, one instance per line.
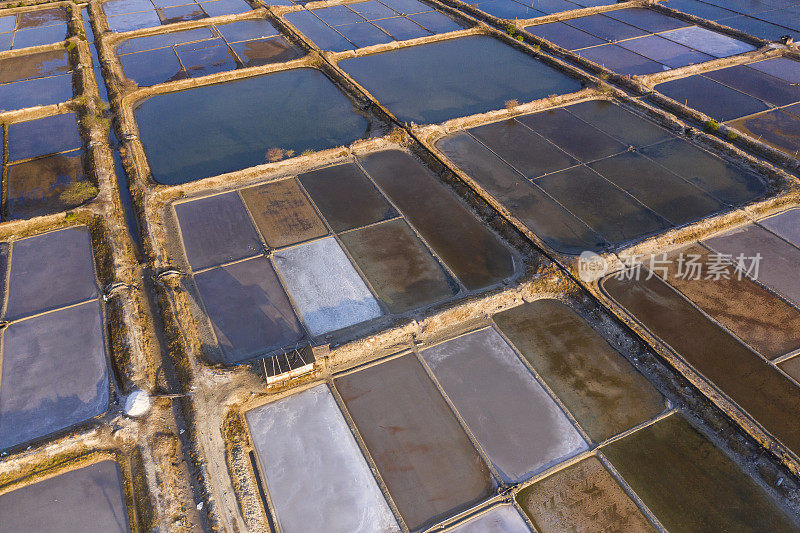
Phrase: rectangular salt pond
x=283 y=214
x=776 y=239
x=230 y=126
x=439 y=81
x=531 y=164
x=42 y=78
x=50 y=271
x=423 y=455
x=519 y=426
x=466 y=245
x=90 y=498
x=248 y=309
x=348 y=26
x=45 y=167
x=757 y=387
x=320 y=278
x=582 y=497
x=203 y=51
x=314 y=472
x=129 y=15
x=769 y=21
x=33 y=28
x=374 y=262
x=599 y=387
x=760 y=319
x=638 y=41
x=54 y=372
x=400 y=269
x=691 y=485
x=511 y=9
x=761 y=99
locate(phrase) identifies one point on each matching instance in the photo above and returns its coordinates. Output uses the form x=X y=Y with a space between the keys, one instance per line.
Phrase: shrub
x=78 y=192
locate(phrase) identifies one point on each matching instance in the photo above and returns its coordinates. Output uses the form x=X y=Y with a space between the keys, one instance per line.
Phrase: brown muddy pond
x=596 y=383
x=426 y=460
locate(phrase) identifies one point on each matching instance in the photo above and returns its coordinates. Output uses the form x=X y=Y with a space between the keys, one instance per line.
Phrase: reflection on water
x=230 y=126
x=435 y=82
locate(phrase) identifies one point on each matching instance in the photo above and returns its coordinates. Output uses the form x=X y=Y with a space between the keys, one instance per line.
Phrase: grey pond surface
x=50 y=271
x=253 y=302
x=315 y=474
x=638 y=41
x=421 y=451
x=89 y=499
x=519 y=426
x=511 y=9
x=761 y=99
x=248 y=309
x=766 y=20
x=232 y=125
x=549 y=168
x=54 y=372
x=439 y=81
x=779 y=268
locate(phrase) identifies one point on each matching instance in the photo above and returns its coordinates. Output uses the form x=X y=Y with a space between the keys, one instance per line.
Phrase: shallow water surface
x=636 y=41
x=33 y=28
x=216 y=230
x=230 y=126
x=248 y=309
x=348 y=26
x=37 y=79
x=581 y=497
x=778 y=268
x=519 y=426
x=49 y=271
x=436 y=82
x=758 y=388
x=467 y=246
x=90 y=498
x=398 y=266
x=601 y=389
x=649 y=180
x=45 y=167
x=423 y=455
x=691 y=485
x=345 y=197
x=54 y=372
x=314 y=471
x=203 y=51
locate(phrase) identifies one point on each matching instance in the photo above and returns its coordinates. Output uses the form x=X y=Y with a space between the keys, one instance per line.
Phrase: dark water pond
x=230 y=126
